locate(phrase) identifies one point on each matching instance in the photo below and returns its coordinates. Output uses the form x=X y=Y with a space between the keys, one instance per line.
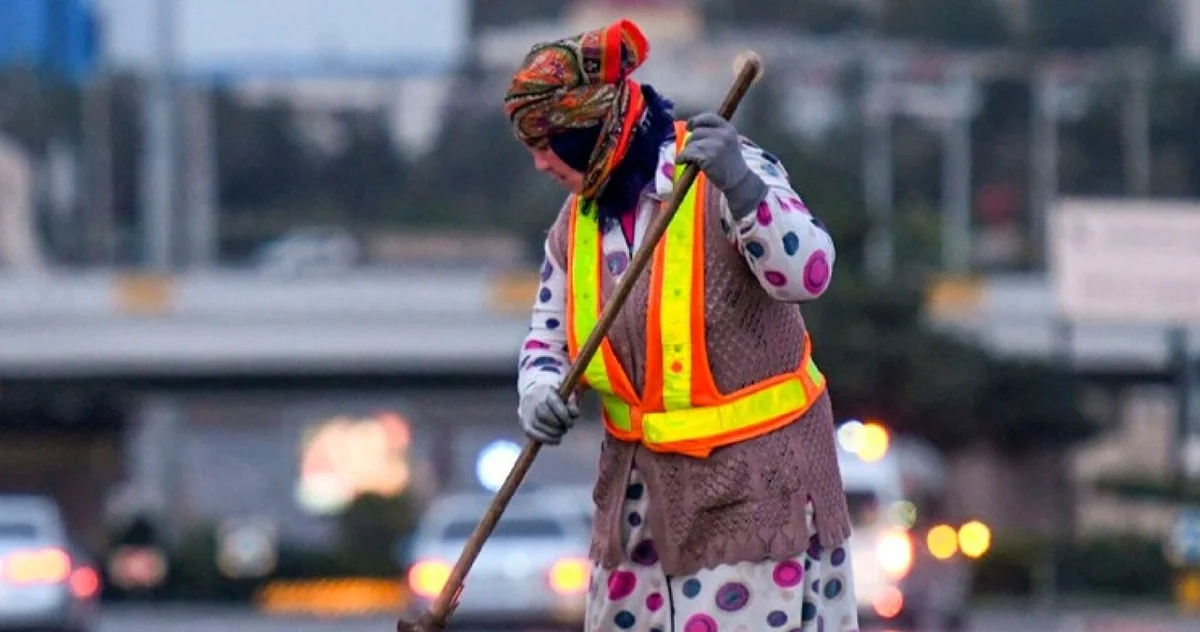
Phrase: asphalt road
x=191 y=619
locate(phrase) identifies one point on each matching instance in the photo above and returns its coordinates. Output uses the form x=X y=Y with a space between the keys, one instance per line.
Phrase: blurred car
x=910 y=572
x=310 y=250
x=532 y=572
x=46 y=583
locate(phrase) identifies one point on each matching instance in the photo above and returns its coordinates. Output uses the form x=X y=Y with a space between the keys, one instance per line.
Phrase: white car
x=44 y=585
x=907 y=576
x=533 y=570
x=309 y=251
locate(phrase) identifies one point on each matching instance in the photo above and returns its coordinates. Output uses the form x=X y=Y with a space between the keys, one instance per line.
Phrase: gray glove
x=545 y=417
x=715 y=147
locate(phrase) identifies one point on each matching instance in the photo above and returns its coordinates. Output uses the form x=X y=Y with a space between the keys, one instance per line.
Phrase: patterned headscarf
x=580 y=82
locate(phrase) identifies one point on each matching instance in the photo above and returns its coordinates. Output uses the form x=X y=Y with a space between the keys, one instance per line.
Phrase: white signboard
x=1129 y=261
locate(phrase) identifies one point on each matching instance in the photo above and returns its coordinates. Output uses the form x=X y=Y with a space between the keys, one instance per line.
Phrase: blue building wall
x=55 y=37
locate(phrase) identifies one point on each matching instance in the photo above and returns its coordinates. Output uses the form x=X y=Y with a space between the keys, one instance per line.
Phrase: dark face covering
x=636 y=171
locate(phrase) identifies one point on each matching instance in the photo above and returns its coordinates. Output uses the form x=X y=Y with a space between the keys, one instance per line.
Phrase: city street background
x=266 y=268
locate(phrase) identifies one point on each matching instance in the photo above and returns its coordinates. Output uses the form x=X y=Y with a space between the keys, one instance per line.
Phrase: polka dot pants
x=809 y=593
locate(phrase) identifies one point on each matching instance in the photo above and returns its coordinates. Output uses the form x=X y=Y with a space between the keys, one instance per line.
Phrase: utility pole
x=956 y=173
x=1044 y=161
x=1135 y=123
x=158 y=168
x=877 y=170
x=200 y=178
x=100 y=237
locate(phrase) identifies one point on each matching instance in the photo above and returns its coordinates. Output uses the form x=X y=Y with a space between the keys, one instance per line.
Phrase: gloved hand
x=545 y=417
x=714 y=147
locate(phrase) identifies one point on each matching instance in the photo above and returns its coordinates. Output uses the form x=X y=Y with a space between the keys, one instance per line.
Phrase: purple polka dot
x=645 y=553
x=776 y=618
x=547 y=270
x=552 y=323
x=788 y=574
x=814 y=547
x=756 y=248
x=546 y=361
x=795 y=204
x=838 y=556
x=654 y=601
x=791 y=243
x=635 y=519
x=775 y=278
x=763 y=214
x=545 y=294
x=536 y=344
x=733 y=596
x=617 y=262
x=621 y=585
x=816 y=272
x=700 y=623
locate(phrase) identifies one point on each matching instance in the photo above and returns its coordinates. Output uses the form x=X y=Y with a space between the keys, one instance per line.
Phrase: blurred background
x=265 y=268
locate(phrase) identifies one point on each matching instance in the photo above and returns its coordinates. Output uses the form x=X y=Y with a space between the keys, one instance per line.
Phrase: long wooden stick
x=443 y=606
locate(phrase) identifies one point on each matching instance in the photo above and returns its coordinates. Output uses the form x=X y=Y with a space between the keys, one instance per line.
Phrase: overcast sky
x=289 y=36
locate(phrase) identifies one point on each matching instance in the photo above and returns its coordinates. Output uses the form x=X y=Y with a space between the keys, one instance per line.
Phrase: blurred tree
x=368 y=174
x=369 y=528
x=459 y=185
x=814 y=16
x=261 y=156
x=977 y=24
x=1088 y=24
x=1032 y=405
x=488 y=13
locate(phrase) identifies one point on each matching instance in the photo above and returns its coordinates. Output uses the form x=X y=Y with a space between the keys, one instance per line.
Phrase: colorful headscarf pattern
x=579 y=82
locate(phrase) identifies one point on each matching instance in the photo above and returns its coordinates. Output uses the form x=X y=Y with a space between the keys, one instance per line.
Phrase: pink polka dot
x=788 y=573
x=775 y=278
x=621 y=585
x=654 y=602
x=667 y=171
x=700 y=623
x=816 y=273
x=536 y=344
x=763 y=214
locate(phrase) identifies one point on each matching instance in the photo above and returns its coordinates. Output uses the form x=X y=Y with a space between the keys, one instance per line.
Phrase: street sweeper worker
x=719 y=502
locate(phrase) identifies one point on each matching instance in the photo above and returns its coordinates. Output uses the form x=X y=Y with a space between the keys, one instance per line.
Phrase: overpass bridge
x=418 y=322
x=107 y=325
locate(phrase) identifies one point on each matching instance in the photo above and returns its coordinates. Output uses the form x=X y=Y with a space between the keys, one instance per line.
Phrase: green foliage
x=881 y=362
x=812 y=16
x=370 y=527
x=1113 y=564
x=1088 y=24
x=1148 y=487
x=1033 y=404
x=947 y=22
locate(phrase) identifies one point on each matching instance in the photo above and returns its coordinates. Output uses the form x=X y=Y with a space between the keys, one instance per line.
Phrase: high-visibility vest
x=680 y=409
